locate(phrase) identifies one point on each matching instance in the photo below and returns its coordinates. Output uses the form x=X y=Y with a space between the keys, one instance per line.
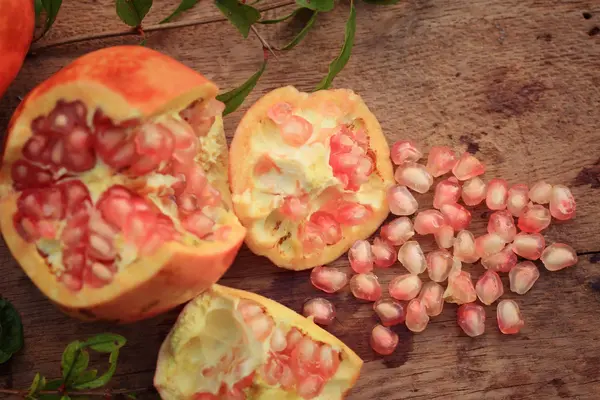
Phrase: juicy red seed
x=331 y=230
x=518 y=198
x=28 y=176
x=322 y=311
x=398 y=231
x=444 y=237
x=352 y=214
x=432 y=297
x=439 y=264
x=405 y=151
x=365 y=287
x=497 y=194
x=534 y=219
x=441 y=160
x=416 y=316
x=414 y=176
x=467 y=167
x=457 y=216
x=509 y=317
x=310 y=387
x=489 y=244
x=503 y=261
x=502 y=224
x=390 y=312
x=405 y=287
x=541 y=193
x=523 y=276
x=471 y=319
x=312 y=237
x=460 y=289
x=558 y=256
x=198 y=224
x=384 y=254
x=280 y=112
x=360 y=256
x=562 y=203
x=328 y=279
x=428 y=222
x=341 y=143
x=383 y=340
x=465 y=248
x=529 y=245
x=489 y=287
x=296 y=130
x=401 y=201
x=412 y=258
x=473 y=191
x=446 y=192
x=295 y=208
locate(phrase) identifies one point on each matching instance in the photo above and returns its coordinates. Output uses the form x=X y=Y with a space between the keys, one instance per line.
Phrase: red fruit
x=446 y=192
x=441 y=160
x=518 y=198
x=497 y=194
x=383 y=340
x=84 y=173
x=405 y=287
x=558 y=256
x=489 y=287
x=412 y=258
x=320 y=309
x=414 y=176
x=509 y=317
x=384 y=254
x=460 y=289
x=456 y=216
x=467 y=167
x=439 y=264
x=523 y=276
x=534 y=218
x=528 y=245
x=541 y=193
x=428 y=222
x=328 y=279
x=562 y=203
x=471 y=319
x=405 y=151
x=398 y=231
x=365 y=287
x=416 y=316
x=502 y=224
x=361 y=257
x=390 y=312
x=432 y=297
x=401 y=201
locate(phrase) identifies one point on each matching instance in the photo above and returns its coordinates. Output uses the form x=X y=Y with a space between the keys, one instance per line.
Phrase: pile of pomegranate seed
x=512 y=242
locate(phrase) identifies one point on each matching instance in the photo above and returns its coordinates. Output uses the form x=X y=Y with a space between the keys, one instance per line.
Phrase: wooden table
x=517 y=82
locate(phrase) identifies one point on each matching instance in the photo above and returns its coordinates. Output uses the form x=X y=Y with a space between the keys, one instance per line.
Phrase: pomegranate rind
x=255 y=215
x=176 y=272
x=175 y=349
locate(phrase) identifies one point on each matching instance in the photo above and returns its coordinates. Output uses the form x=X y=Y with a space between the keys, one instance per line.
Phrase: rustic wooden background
x=517 y=82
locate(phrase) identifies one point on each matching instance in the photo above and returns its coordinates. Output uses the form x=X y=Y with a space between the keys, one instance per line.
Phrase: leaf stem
x=106 y=392
x=263 y=41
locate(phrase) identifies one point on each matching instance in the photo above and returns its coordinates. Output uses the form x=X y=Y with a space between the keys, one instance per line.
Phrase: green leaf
x=278 y=20
x=340 y=62
x=317 y=5
x=104 y=378
x=35 y=385
x=183 y=6
x=11 y=330
x=132 y=12
x=240 y=15
x=105 y=342
x=39 y=7
x=302 y=33
x=382 y=2
x=51 y=7
x=75 y=360
x=234 y=98
x=85 y=376
x=65 y=397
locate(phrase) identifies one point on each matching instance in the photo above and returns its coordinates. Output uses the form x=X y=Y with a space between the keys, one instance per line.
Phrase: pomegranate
x=17 y=21
x=113 y=186
x=323 y=153
x=232 y=344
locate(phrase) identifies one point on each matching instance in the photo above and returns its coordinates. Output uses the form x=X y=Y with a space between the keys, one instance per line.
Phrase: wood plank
x=516 y=82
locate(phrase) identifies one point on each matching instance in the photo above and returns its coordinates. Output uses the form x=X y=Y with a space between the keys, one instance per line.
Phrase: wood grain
x=515 y=82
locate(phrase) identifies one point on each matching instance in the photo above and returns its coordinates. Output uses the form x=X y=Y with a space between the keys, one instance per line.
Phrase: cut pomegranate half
x=311 y=175
x=116 y=201
x=230 y=341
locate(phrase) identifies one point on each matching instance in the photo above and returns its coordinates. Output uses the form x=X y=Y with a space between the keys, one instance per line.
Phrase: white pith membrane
x=299 y=199
x=225 y=347
x=95 y=194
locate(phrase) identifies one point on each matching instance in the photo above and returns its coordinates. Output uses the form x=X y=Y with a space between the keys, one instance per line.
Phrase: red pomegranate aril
x=502 y=224
x=489 y=244
x=278 y=340
x=562 y=203
x=101 y=248
x=439 y=264
x=428 y=222
x=28 y=176
x=528 y=245
x=503 y=261
x=405 y=151
x=518 y=198
x=311 y=237
x=471 y=319
x=497 y=194
x=296 y=208
x=384 y=254
x=405 y=287
x=441 y=160
x=341 y=143
x=71 y=282
x=383 y=340
x=360 y=256
x=467 y=167
x=414 y=176
x=523 y=276
x=398 y=231
x=446 y=192
x=489 y=287
x=412 y=258
x=534 y=219
x=540 y=193
x=296 y=130
x=460 y=289
x=457 y=216
x=328 y=279
x=365 y=287
x=279 y=112
x=102 y=272
x=509 y=317
x=401 y=201
x=432 y=296
x=310 y=387
x=416 y=316
x=320 y=309
x=558 y=256
x=352 y=214
x=464 y=247
x=329 y=361
x=261 y=326
x=198 y=224
x=390 y=312
x=444 y=237
x=473 y=191
x=331 y=230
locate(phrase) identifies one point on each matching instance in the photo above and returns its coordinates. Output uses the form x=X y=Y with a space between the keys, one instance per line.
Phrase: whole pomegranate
x=17 y=20
x=114 y=187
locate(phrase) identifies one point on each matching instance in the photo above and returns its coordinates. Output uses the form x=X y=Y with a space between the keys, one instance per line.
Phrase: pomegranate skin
x=17 y=21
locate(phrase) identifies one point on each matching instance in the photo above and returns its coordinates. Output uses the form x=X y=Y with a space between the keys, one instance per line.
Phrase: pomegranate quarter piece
x=321 y=310
x=114 y=187
x=383 y=340
x=405 y=151
x=509 y=317
x=328 y=279
x=390 y=312
x=471 y=319
x=441 y=160
x=232 y=344
x=558 y=256
x=523 y=276
x=325 y=154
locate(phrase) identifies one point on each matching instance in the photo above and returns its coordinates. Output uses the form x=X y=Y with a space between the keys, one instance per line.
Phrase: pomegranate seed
x=432 y=297
x=509 y=317
x=398 y=231
x=296 y=130
x=441 y=160
x=261 y=326
x=502 y=224
x=383 y=340
x=361 y=257
x=310 y=387
x=278 y=340
x=320 y=309
x=489 y=244
x=489 y=287
x=412 y=258
x=446 y=192
x=523 y=276
x=534 y=219
x=414 y=176
x=384 y=254
x=352 y=214
x=444 y=237
x=328 y=279
x=503 y=261
x=365 y=287
x=473 y=191
x=439 y=264
x=471 y=319
x=330 y=229
x=428 y=222
x=467 y=167
x=312 y=238
x=401 y=201
x=457 y=216
x=518 y=198
x=199 y=224
x=405 y=287
x=558 y=256
x=497 y=194
x=280 y=112
x=329 y=361
x=529 y=245
x=295 y=208
x=390 y=312
x=416 y=316
x=405 y=151
x=541 y=193
x=464 y=247
x=562 y=203
x=456 y=268
x=460 y=289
